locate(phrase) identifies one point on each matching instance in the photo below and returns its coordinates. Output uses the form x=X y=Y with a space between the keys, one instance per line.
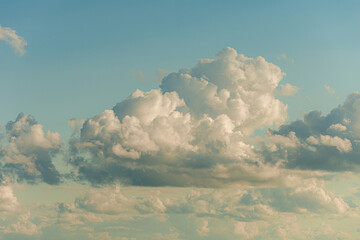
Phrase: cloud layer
x=248 y=213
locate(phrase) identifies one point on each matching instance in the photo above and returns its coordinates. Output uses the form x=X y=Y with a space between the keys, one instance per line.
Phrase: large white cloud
x=9 y=35
x=191 y=131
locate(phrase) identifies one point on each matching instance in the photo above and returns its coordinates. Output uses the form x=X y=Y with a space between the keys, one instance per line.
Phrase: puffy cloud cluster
x=269 y=213
x=239 y=87
x=328 y=142
x=307 y=198
x=249 y=230
x=104 y=201
x=29 y=150
x=191 y=131
x=9 y=35
x=23 y=226
x=8 y=201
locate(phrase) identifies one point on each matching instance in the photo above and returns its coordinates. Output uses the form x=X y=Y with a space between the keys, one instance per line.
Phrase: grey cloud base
x=328 y=142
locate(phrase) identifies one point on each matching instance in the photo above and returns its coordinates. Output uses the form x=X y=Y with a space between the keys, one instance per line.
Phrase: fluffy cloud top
x=9 y=35
x=191 y=131
x=232 y=84
x=29 y=150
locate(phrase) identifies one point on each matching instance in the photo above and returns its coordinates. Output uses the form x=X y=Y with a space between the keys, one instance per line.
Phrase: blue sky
x=190 y=125
x=83 y=46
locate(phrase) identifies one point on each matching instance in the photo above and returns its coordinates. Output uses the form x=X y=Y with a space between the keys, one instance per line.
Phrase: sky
x=179 y=119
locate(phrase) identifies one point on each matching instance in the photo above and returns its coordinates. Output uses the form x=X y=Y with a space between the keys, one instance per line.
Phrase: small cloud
x=329 y=89
x=137 y=74
x=285 y=57
x=203 y=229
x=337 y=127
x=287 y=90
x=9 y=35
x=74 y=122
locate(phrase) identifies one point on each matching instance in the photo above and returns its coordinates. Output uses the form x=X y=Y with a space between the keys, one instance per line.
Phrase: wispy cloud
x=286 y=58
x=287 y=90
x=9 y=35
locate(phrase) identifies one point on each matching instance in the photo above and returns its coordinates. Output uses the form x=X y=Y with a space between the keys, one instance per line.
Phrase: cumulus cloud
x=343 y=145
x=9 y=35
x=234 y=85
x=249 y=230
x=337 y=127
x=241 y=212
x=190 y=132
x=70 y=216
x=105 y=201
x=8 y=201
x=307 y=198
x=328 y=142
x=23 y=226
x=29 y=151
x=203 y=229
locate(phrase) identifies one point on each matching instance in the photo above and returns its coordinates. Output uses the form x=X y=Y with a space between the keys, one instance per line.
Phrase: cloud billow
x=190 y=132
x=29 y=151
x=328 y=142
